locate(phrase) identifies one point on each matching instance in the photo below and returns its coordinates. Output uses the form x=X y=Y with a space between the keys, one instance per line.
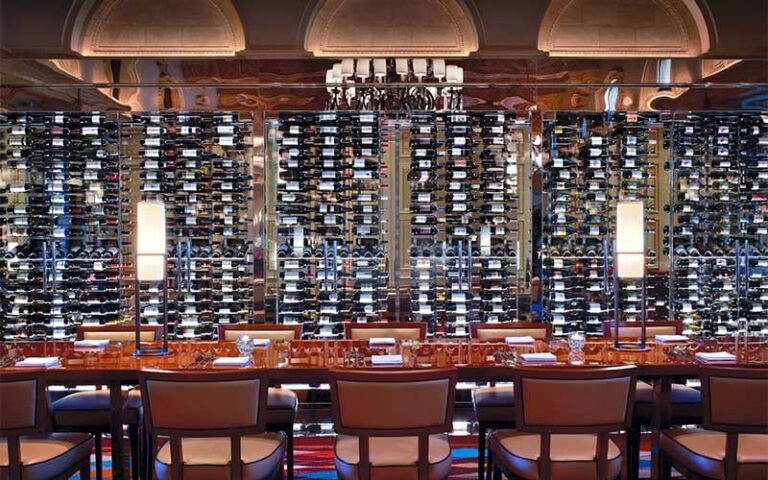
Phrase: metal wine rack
x=60 y=187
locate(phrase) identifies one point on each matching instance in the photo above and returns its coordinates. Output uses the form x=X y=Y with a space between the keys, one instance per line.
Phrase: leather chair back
x=204 y=401
x=552 y=401
x=395 y=403
x=631 y=330
x=228 y=333
x=119 y=333
x=498 y=331
x=23 y=404
x=397 y=330
x=735 y=399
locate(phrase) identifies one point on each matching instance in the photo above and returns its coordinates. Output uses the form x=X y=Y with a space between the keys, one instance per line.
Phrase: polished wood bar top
x=308 y=360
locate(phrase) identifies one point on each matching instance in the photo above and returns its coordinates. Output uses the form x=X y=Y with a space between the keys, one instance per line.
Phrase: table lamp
x=629 y=264
x=150 y=266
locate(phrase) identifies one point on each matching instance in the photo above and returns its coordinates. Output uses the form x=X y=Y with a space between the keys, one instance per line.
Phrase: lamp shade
x=630 y=239
x=438 y=68
x=150 y=241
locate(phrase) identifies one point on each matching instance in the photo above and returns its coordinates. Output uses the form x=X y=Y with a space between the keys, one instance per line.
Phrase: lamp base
x=630 y=348
x=151 y=352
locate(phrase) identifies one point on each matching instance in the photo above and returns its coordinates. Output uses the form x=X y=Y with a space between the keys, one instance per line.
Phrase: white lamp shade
x=630 y=227
x=438 y=68
x=150 y=241
x=630 y=265
x=401 y=66
x=363 y=70
x=380 y=68
x=347 y=67
x=337 y=77
x=452 y=74
x=420 y=67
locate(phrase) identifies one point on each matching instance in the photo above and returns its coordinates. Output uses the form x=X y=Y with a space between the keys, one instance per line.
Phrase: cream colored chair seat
x=47 y=456
x=392 y=458
x=703 y=451
x=573 y=456
x=209 y=458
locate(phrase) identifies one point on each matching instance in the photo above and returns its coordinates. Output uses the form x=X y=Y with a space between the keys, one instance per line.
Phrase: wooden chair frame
x=176 y=435
x=475 y=327
x=41 y=424
x=82 y=329
x=732 y=431
x=610 y=325
x=364 y=434
x=422 y=326
x=546 y=431
x=297 y=329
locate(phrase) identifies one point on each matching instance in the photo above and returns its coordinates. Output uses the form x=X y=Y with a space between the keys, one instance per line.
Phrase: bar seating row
x=207 y=419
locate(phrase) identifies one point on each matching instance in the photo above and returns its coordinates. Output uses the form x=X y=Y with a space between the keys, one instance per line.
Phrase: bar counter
x=308 y=361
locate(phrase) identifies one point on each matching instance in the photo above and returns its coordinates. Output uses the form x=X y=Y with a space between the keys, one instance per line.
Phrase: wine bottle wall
x=595 y=160
x=60 y=186
x=718 y=235
x=463 y=263
x=331 y=225
x=198 y=164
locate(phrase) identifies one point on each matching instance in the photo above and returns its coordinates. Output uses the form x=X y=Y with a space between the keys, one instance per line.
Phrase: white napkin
x=231 y=361
x=715 y=357
x=545 y=357
x=518 y=340
x=386 y=359
x=39 y=362
x=381 y=341
x=670 y=338
x=261 y=342
x=91 y=343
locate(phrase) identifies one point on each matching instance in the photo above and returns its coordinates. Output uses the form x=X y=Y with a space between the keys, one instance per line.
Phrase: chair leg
x=496 y=473
x=147 y=456
x=480 y=451
x=99 y=457
x=133 y=434
x=289 y=454
x=489 y=465
x=85 y=472
x=664 y=466
x=633 y=452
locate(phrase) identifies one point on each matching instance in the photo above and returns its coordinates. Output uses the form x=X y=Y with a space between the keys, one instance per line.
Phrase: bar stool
x=25 y=450
x=216 y=425
x=557 y=439
x=392 y=424
x=494 y=406
x=685 y=401
x=282 y=404
x=733 y=443
x=396 y=330
x=89 y=411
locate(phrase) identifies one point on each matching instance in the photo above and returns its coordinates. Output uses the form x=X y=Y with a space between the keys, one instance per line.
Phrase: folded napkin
x=261 y=342
x=545 y=357
x=91 y=343
x=519 y=340
x=39 y=362
x=715 y=357
x=379 y=341
x=670 y=338
x=386 y=359
x=231 y=361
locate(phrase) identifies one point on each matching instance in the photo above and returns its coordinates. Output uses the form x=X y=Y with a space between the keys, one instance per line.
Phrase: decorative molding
x=633 y=28
x=407 y=28
x=168 y=28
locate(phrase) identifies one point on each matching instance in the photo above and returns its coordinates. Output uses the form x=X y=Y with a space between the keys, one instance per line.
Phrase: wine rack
x=463 y=263
x=718 y=233
x=198 y=164
x=331 y=224
x=60 y=187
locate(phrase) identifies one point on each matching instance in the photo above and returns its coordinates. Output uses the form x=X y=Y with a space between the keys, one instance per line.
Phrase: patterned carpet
x=314 y=458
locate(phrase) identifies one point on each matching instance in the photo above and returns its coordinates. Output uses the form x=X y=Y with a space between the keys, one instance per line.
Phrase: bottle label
x=90 y=130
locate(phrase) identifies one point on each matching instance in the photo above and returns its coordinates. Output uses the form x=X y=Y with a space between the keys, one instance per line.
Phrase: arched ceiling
x=372 y=28
x=630 y=28
x=150 y=28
